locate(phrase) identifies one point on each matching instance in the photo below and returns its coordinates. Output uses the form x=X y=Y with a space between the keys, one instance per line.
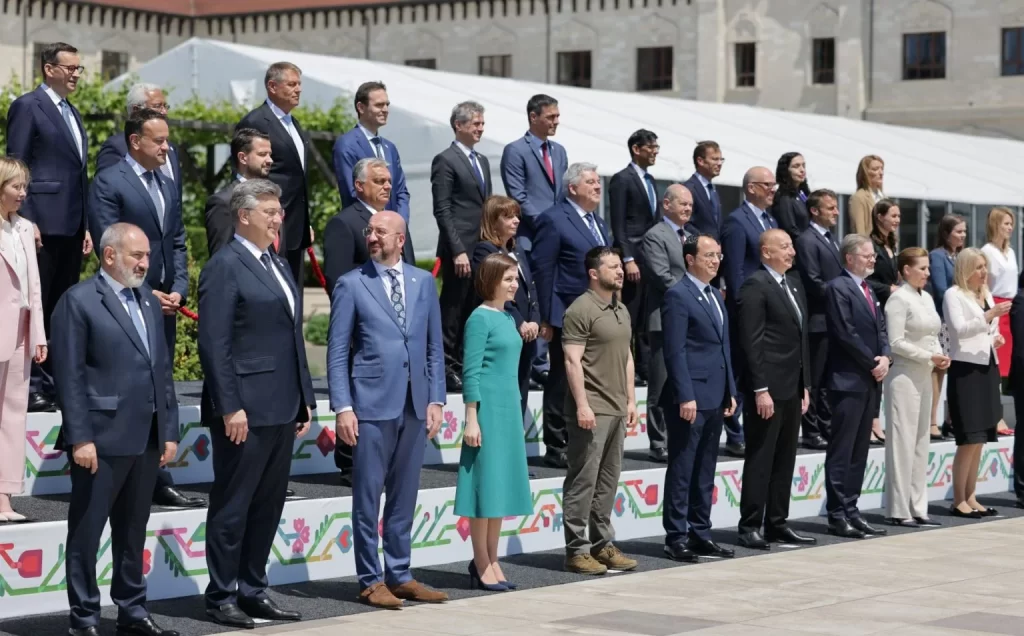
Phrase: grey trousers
x=595 y=461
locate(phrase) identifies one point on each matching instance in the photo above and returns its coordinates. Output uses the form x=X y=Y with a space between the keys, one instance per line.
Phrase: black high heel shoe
x=956 y=512
x=475 y=582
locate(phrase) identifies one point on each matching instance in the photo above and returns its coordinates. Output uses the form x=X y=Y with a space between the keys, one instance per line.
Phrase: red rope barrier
x=437 y=267
x=188 y=313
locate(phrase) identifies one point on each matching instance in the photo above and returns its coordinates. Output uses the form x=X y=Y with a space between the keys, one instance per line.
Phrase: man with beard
x=120 y=424
x=596 y=335
x=251 y=154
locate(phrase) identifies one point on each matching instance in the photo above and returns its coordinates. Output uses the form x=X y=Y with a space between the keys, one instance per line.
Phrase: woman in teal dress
x=493 y=478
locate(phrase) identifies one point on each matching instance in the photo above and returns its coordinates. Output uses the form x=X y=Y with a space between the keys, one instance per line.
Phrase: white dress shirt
x=255 y=251
x=469 y=152
x=10 y=240
x=118 y=288
x=583 y=216
x=700 y=287
x=293 y=132
x=375 y=147
x=139 y=171
x=1002 y=271
x=57 y=99
x=676 y=228
x=382 y=273
x=704 y=182
x=759 y=213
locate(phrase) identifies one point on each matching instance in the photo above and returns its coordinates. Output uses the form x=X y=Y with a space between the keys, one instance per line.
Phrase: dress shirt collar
x=280 y=114
x=240 y=178
x=369 y=135
x=758 y=212
x=704 y=182
x=466 y=150
x=856 y=279
x=382 y=269
x=696 y=281
x=369 y=208
x=640 y=171
x=52 y=94
x=776 y=275
x=821 y=230
x=136 y=166
x=671 y=224
x=583 y=213
x=114 y=285
x=249 y=245
x=8 y=225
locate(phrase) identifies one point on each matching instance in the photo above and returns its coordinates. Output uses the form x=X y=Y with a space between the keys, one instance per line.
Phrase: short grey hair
x=851 y=243
x=113 y=237
x=247 y=194
x=276 y=71
x=138 y=95
x=574 y=174
x=464 y=112
x=363 y=166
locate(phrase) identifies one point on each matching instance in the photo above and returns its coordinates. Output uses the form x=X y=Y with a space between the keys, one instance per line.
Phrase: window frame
x=741 y=53
x=922 y=70
x=651 y=74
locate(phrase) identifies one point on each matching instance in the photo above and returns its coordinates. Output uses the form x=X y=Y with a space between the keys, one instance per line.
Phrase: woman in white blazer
x=974 y=403
x=913 y=324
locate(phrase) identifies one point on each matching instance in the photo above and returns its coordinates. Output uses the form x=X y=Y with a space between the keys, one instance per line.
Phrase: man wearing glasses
x=45 y=131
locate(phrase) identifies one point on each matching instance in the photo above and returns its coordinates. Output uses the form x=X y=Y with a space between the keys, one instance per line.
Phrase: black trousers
x=847 y=454
x=1018 y=448
x=60 y=266
x=690 y=476
x=525 y=366
x=555 y=437
x=121 y=491
x=456 y=293
x=768 y=464
x=634 y=297
x=819 y=414
x=249 y=484
x=656 y=379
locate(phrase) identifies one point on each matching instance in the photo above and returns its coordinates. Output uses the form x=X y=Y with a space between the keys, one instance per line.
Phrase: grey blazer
x=663 y=267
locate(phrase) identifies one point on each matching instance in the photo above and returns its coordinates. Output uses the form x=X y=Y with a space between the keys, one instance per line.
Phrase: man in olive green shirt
x=596 y=335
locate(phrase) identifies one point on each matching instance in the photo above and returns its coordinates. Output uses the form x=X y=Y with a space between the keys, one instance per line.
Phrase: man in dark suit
x=707 y=207
x=364 y=142
x=134 y=191
x=772 y=312
x=460 y=180
x=662 y=250
x=291 y=153
x=1016 y=380
x=565 y=233
x=120 y=424
x=819 y=262
x=115 y=147
x=251 y=157
x=256 y=400
x=46 y=132
x=701 y=393
x=858 y=361
x=634 y=209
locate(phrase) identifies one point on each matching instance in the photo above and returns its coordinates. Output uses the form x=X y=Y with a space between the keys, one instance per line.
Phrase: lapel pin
x=413 y=280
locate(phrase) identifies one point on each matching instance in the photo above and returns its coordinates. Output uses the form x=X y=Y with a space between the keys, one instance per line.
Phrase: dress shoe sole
x=230 y=623
x=844 y=535
x=379 y=606
x=765 y=548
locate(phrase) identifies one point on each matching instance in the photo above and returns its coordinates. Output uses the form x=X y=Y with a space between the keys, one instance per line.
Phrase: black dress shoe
x=753 y=541
x=453 y=382
x=706 y=547
x=988 y=512
x=788 y=535
x=659 y=455
x=1020 y=503
x=638 y=380
x=535 y=386
x=814 y=442
x=867 y=528
x=145 y=627
x=926 y=522
x=85 y=631
x=679 y=552
x=556 y=459
x=267 y=609
x=171 y=498
x=902 y=523
x=230 y=615
x=736 y=450
x=345 y=478
x=844 y=529
x=540 y=377
x=40 y=403
x=956 y=512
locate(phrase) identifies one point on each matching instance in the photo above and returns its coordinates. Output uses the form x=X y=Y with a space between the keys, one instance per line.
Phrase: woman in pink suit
x=22 y=338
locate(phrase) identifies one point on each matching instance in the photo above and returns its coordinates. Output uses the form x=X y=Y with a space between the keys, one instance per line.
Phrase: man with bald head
x=742 y=257
x=662 y=249
x=772 y=338
x=385 y=372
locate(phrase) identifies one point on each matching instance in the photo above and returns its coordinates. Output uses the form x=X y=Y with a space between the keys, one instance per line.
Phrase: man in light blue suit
x=385 y=371
x=365 y=142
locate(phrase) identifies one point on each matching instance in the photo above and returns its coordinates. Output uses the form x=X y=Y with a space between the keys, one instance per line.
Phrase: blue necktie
x=592 y=224
x=713 y=306
x=378 y=148
x=65 y=111
x=651 y=193
x=767 y=221
x=477 y=173
x=133 y=311
x=716 y=203
x=396 y=296
x=153 y=187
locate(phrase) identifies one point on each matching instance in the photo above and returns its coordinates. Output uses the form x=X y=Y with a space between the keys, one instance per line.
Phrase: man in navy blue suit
x=135 y=191
x=46 y=132
x=257 y=399
x=858 y=361
x=565 y=233
x=385 y=370
x=120 y=424
x=707 y=207
x=115 y=147
x=701 y=392
x=365 y=142
x=819 y=262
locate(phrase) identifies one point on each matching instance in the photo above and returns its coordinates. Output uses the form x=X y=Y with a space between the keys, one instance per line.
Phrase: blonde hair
x=11 y=169
x=963 y=269
x=862 y=171
x=995 y=219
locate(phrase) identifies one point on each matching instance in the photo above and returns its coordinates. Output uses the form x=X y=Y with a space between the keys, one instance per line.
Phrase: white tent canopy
x=920 y=164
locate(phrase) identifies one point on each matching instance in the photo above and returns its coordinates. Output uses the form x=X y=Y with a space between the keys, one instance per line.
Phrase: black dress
x=974 y=402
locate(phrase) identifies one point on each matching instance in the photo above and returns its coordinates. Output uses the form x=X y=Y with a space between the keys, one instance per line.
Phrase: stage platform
x=314 y=540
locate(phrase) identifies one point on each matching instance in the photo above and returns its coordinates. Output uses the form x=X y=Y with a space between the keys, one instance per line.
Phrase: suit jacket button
x=405 y=365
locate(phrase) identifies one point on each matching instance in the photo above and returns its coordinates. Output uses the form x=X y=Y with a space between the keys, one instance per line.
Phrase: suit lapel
x=116 y=309
x=53 y=114
x=782 y=295
x=375 y=286
x=461 y=161
x=412 y=287
x=154 y=329
x=830 y=246
x=717 y=320
x=268 y=279
x=641 y=190
x=136 y=184
x=535 y=149
x=282 y=132
x=582 y=226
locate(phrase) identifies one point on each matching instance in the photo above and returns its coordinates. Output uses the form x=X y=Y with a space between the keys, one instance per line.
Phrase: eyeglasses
x=713 y=256
x=71 y=69
x=271 y=212
x=771 y=185
x=378 y=232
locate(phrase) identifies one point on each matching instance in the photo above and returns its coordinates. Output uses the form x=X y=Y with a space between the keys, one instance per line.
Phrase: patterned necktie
x=592 y=224
x=153 y=187
x=65 y=111
x=652 y=194
x=477 y=173
x=713 y=305
x=378 y=149
x=867 y=296
x=133 y=311
x=396 y=296
x=682 y=235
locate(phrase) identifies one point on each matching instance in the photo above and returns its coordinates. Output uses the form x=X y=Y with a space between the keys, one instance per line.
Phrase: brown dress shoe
x=416 y=591
x=378 y=595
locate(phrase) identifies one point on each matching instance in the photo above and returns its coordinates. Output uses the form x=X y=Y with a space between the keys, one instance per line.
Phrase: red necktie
x=547 y=162
x=867 y=294
x=277 y=239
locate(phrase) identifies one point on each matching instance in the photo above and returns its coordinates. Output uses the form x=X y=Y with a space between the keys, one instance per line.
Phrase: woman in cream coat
x=21 y=329
x=974 y=403
x=913 y=324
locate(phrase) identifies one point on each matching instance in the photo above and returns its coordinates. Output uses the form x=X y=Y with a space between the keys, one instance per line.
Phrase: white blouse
x=1002 y=271
x=10 y=240
x=913 y=324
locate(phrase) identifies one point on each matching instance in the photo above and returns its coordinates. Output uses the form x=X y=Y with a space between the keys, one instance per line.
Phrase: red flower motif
x=651 y=495
x=714 y=496
x=30 y=565
x=462 y=527
x=147 y=562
